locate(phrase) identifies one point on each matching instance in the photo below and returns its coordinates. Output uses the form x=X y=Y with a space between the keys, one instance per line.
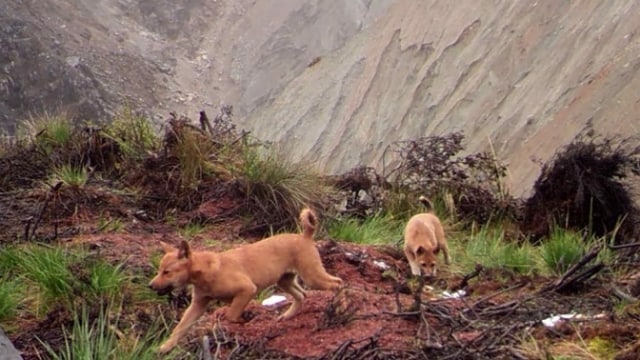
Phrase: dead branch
x=38 y=218
x=465 y=281
x=580 y=278
x=562 y=282
x=498 y=293
x=417 y=295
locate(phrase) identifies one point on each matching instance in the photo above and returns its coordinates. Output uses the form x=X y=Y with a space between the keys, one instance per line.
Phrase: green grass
x=11 y=294
x=49 y=269
x=101 y=339
x=488 y=247
x=105 y=280
x=109 y=224
x=60 y=277
x=48 y=131
x=374 y=230
x=278 y=185
x=133 y=133
x=191 y=229
x=561 y=250
x=73 y=176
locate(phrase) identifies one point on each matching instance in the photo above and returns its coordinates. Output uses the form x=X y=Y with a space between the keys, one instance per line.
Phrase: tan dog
x=236 y=275
x=423 y=240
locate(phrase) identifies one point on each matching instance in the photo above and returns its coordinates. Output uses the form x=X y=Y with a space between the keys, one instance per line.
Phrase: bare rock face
x=522 y=77
x=7 y=350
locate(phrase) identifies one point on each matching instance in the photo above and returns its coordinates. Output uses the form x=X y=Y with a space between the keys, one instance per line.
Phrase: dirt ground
x=375 y=316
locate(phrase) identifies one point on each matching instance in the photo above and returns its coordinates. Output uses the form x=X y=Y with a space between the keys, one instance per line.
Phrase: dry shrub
x=431 y=166
x=362 y=191
x=583 y=187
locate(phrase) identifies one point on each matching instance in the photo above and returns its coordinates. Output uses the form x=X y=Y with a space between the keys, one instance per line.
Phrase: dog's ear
x=184 y=251
x=420 y=250
x=166 y=247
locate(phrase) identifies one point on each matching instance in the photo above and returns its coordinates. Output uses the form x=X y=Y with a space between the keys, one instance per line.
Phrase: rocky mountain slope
x=524 y=77
x=337 y=83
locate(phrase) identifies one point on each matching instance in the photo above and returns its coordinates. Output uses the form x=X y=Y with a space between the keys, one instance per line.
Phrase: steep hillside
x=337 y=84
x=525 y=77
x=89 y=58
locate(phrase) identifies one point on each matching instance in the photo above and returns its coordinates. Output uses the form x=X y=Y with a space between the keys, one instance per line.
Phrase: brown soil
x=372 y=317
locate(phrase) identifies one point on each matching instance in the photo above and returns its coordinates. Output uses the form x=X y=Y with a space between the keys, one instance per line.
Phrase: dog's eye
x=165 y=272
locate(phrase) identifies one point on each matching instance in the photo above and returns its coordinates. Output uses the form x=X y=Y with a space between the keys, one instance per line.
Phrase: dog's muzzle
x=161 y=291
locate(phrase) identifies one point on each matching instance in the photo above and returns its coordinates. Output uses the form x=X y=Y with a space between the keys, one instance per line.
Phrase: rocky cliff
x=523 y=77
x=338 y=82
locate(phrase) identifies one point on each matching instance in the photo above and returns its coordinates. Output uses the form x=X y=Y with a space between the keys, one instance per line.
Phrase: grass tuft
x=75 y=177
x=561 y=250
x=374 y=230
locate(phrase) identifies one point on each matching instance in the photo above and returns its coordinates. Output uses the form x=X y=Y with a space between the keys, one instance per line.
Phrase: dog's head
x=173 y=272
x=427 y=259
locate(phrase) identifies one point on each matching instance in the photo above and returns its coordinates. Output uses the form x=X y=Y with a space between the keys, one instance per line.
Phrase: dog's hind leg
x=316 y=277
x=289 y=284
x=193 y=312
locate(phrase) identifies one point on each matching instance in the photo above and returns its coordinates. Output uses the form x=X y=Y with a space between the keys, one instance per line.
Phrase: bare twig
x=465 y=281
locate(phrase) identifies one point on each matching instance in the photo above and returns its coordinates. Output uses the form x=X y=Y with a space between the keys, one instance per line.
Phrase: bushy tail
x=426 y=202
x=308 y=221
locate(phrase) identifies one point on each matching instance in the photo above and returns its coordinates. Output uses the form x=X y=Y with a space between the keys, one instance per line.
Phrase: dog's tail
x=426 y=202
x=308 y=221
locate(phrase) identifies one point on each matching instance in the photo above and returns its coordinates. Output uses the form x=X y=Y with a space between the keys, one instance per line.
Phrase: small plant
x=104 y=281
x=109 y=224
x=374 y=230
x=73 y=176
x=562 y=249
x=48 y=132
x=192 y=229
x=133 y=133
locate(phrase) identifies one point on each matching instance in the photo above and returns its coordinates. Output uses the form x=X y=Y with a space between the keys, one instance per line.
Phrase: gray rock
x=7 y=350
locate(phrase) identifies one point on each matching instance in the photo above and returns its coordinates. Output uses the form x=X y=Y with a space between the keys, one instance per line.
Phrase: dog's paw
x=165 y=348
x=247 y=316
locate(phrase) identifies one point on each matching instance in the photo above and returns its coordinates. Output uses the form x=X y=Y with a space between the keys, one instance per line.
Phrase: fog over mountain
x=338 y=82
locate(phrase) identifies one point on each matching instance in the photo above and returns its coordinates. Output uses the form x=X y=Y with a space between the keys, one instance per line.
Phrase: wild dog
x=423 y=240
x=236 y=275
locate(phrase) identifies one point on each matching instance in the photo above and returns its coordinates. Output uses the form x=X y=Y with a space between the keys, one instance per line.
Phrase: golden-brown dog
x=236 y=275
x=423 y=240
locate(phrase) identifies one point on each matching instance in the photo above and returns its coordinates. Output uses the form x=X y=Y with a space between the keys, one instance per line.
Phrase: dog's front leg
x=239 y=302
x=193 y=312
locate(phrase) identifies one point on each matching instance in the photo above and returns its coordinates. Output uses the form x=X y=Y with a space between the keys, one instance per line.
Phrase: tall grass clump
x=48 y=131
x=374 y=230
x=63 y=277
x=134 y=134
x=73 y=176
x=278 y=188
x=562 y=249
x=104 y=280
x=49 y=269
x=100 y=339
x=194 y=153
x=489 y=248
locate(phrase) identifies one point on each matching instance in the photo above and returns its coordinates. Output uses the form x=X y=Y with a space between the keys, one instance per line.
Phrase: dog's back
x=423 y=239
